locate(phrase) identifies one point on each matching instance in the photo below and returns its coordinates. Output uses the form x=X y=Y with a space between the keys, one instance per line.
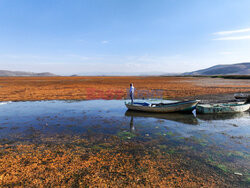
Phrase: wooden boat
x=182 y=106
x=222 y=108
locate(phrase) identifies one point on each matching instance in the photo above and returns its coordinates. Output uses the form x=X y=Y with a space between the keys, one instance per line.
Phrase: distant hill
x=21 y=73
x=125 y=74
x=232 y=69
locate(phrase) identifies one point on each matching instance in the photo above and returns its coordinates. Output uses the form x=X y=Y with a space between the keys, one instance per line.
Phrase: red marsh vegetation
x=85 y=88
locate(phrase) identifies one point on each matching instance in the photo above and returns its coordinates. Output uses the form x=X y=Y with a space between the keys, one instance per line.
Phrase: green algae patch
x=203 y=144
x=171 y=151
x=238 y=154
x=248 y=179
x=125 y=135
x=162 y=147
x=166 y=149
x=222 y=167
x=181 y=138
x=97 y=147
x=159 y=134
x=169 y=133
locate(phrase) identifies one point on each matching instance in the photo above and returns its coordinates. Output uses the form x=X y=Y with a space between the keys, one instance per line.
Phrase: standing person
x=131 y=93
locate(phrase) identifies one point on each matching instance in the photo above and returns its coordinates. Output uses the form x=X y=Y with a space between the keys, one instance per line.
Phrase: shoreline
x=210 y=98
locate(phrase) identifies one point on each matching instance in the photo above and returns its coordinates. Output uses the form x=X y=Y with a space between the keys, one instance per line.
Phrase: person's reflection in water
x=132 y=128
x=194 y=113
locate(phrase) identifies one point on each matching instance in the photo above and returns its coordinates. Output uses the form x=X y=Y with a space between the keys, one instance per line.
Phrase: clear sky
x=77 y=36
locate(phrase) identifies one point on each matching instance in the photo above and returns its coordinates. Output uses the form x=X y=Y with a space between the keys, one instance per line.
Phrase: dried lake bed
x=100 y=143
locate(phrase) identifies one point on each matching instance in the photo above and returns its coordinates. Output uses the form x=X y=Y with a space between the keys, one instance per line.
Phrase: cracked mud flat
x=98 y=143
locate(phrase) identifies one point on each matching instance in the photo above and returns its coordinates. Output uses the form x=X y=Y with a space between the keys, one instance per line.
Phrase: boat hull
x=222 y=108
x=184 y=106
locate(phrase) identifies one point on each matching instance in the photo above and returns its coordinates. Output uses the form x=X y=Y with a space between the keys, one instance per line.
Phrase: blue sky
x=78 y=36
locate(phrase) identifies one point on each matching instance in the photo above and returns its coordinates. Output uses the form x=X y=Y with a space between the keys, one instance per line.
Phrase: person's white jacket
x=131 y=90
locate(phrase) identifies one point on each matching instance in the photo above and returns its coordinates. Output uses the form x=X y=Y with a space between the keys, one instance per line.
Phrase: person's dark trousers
x=132 y=98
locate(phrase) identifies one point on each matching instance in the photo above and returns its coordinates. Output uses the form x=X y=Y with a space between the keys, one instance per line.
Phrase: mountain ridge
x=8 y=73
x=228 y=69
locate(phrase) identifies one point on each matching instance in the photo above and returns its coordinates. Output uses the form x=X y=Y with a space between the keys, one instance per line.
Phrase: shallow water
x=220 y=140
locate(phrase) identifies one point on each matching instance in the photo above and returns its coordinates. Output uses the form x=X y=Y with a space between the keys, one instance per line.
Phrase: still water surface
x=221 y=140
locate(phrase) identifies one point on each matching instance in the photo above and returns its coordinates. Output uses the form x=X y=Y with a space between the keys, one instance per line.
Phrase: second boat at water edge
x=222 y=108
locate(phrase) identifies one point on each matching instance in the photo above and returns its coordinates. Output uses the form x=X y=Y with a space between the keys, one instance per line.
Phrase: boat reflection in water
x=222 y=116
x=178 y=117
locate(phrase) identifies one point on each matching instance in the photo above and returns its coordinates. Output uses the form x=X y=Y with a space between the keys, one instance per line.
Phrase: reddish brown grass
x=63 y=88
